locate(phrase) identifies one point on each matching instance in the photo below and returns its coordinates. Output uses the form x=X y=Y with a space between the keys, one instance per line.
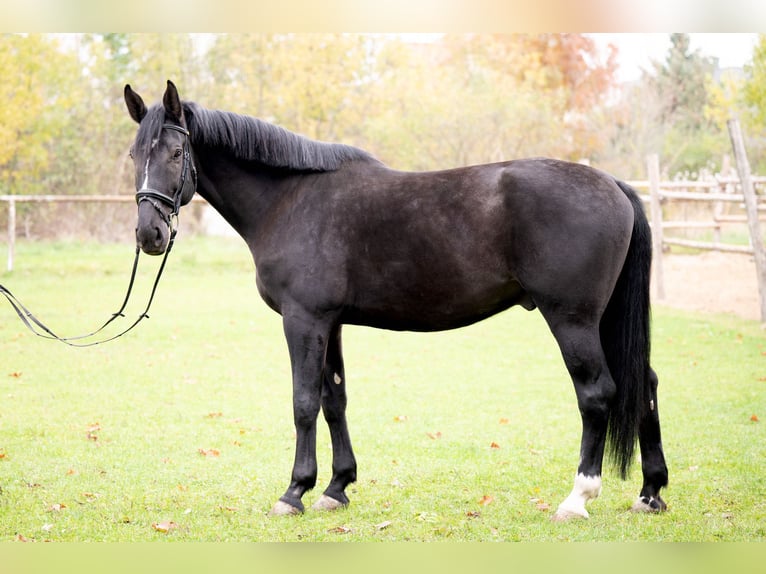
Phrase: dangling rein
x=41 y=330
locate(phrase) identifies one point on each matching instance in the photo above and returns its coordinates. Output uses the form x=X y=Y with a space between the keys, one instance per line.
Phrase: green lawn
x=182 y=429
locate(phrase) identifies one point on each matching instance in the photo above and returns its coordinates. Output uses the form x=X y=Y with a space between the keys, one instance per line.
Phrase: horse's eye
x=177 y=153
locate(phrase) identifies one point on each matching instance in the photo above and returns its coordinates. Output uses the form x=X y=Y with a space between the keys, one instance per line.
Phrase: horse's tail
x=625 y=339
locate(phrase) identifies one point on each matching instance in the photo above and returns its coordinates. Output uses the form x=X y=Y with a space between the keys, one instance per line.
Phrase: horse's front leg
x=307 y=338
x=334 y=408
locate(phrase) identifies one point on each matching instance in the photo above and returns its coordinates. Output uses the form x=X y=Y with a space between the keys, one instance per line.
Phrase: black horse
x=338 y=237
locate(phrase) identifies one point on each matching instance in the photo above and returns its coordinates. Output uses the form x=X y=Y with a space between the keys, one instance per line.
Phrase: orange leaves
x=92 y=431
x=2 y=454
x=400 y=418
x=494 y=445
x=210 y=452
x=486 y=500
x=164 y=527
x=434 y=435
x=754 y=418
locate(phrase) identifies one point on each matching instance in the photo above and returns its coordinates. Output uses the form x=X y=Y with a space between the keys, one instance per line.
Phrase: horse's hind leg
x=584 y=358
x=652 y=458
x=334 y=408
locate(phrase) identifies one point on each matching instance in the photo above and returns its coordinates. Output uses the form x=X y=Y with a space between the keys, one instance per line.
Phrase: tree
x=681 y=85
x=754 y=102
x=33 y=113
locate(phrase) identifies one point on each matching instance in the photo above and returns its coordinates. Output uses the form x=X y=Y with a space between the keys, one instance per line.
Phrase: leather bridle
x=177 y=200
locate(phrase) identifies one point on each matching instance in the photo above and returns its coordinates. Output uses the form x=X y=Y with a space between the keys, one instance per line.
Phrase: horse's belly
x=432 y=309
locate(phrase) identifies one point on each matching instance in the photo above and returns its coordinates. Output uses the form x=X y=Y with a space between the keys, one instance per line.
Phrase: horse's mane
x=249 y=138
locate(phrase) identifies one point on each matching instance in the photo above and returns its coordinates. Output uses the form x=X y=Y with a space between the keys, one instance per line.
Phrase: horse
x=337 y=237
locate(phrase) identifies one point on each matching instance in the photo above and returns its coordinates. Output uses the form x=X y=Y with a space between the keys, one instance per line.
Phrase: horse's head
x=166 y=177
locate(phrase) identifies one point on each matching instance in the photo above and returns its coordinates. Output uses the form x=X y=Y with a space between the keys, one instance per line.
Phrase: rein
x=41 y=330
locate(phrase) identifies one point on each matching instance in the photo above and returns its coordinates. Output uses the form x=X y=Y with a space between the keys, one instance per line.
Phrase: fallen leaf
x=209 y=452
x=15 y=374
x=214 y=415
x=504 y=421
x=229 y=508
x=400 y=418
x=164 y=527
x=486 y=499
x=339 y=530
x=754 y=418
x=383 y=525
x=543 y=506
x=494 y=445
x=22 y=538
x=434 y=436
x=182 y=487
x=236 y=443
x=2 y=454
x=71 y=471
x=473 y=514
x=94 y=427
x=56 y=507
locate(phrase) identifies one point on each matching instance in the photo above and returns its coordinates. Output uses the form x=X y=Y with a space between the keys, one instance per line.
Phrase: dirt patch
x=711 y=282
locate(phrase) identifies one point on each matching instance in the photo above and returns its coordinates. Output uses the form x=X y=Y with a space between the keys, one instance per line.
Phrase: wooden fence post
x=751 y=205
x=11 y=232
x=653 y=165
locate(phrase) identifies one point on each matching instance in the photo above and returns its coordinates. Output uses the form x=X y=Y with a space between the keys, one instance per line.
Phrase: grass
x=119 y=442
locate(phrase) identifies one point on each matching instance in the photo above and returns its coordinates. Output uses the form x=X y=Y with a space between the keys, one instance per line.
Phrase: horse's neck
x=242 y=196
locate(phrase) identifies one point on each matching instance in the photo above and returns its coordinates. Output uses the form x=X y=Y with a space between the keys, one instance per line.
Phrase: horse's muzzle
x=151 y=239
x=152 y=232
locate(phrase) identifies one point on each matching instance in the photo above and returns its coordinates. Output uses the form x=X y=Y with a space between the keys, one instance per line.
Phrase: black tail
x=626 y=341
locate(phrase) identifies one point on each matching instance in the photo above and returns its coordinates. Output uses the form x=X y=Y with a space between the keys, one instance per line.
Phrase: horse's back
x=438 y=250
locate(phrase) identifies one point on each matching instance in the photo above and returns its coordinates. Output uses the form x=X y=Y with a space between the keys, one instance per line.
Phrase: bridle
x=177 y=200
x=181 y=197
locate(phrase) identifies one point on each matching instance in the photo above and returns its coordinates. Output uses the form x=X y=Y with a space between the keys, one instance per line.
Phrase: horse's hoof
x=649 y=504
x=327 y=503
x=281 y=508
x=567 y=514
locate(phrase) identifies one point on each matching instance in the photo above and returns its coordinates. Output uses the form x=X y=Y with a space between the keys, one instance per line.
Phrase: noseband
x=173 y=201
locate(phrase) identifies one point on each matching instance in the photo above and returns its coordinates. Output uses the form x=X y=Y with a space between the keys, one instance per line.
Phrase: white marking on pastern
x=586 y=488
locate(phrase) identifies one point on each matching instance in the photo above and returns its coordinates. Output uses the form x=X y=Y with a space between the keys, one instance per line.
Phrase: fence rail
x=12 y=200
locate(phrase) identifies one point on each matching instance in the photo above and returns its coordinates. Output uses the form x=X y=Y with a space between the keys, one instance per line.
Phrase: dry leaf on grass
x=164 y=527
x=209 y=452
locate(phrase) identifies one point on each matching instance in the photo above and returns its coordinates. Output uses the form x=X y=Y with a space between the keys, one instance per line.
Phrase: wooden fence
x=13 y=200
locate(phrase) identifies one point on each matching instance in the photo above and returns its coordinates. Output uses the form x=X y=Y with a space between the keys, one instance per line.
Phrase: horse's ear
x=172 y=102
x=136 y=107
